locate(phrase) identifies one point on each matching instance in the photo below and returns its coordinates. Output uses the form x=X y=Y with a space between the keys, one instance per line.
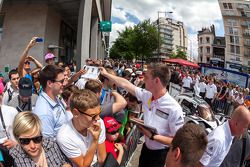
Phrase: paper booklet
x=141 y=123
x=92 y=72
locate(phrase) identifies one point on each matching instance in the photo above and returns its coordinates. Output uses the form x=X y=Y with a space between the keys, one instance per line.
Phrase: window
x=1 y=25
x=249 y=63
x=237 y=59
x=232 y=30
x=200 y=40
x=232 y=22
x=208 y=39
x=201 y=49
x=208 y=49
x=234 y=49
x=237 y=49
x=208 y=59
x=234 y=39
x=225 y=5
x=230 y=6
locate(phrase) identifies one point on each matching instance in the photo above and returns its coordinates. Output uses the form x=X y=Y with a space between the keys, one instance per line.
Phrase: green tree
x=136 y=42
x=179 y=54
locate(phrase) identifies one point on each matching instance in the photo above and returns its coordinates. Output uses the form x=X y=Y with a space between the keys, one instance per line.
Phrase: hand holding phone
x=39 y=39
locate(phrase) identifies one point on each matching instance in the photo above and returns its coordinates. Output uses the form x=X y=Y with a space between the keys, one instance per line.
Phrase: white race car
x=196 y=110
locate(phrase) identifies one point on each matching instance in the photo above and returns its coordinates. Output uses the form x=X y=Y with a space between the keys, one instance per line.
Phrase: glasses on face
x=27 y=62
x=26 y=141
x=93 y=116
x=60 y=81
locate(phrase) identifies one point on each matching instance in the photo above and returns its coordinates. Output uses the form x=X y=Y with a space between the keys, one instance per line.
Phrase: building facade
x=173 y=35
x=219 y=46
x=70 y=29
x=236 y=18
x=205 y=40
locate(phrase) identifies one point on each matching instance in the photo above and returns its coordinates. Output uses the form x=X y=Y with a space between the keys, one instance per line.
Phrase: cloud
x=118 y=27
x=119 y=13
x=193 y=13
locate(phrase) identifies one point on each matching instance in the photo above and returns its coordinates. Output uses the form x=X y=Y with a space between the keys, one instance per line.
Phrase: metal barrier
x=131 y=142
x=218 y=106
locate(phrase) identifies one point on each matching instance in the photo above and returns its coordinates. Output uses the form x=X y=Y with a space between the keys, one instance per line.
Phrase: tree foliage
x=137 y=42
x=179 y=54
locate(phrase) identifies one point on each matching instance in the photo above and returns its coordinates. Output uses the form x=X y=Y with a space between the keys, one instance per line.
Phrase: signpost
x=105 y=26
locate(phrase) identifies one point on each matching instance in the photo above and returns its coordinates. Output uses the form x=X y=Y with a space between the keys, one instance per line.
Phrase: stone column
x=83 y=32
x=94 y=39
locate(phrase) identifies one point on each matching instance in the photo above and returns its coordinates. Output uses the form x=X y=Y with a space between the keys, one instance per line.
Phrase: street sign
x=105 y=26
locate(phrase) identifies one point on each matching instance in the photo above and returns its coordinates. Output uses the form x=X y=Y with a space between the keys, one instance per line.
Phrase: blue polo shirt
x=51 y=113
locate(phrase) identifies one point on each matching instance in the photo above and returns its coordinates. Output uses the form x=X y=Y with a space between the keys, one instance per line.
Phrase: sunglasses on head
x=26 y=141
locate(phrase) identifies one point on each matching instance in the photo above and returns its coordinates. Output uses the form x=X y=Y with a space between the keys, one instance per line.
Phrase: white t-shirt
x=219 y=143
x=165 y=114
x=73 y=144
x=211 y=91
x=9 y=114
x=202 y=87
x=239 y=100
x=187 y=82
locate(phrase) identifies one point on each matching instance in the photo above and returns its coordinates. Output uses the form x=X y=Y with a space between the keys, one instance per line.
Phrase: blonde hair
x=25 y=122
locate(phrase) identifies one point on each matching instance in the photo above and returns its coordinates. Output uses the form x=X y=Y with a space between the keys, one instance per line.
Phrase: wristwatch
x=152 y=136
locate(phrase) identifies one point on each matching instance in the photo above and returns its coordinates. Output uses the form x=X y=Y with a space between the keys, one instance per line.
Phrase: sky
x=195 y=14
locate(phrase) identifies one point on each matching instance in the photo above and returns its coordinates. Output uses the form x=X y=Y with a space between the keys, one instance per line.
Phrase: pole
x=158 y=38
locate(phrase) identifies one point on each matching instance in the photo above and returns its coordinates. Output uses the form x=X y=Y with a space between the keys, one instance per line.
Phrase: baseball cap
x=1 y=87
x=111 y=124
x=49 y=56
x=25 y=87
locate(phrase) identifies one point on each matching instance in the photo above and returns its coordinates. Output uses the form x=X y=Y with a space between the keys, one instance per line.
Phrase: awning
x=182 y=62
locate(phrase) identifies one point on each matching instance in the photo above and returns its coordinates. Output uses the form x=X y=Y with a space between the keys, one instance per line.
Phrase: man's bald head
x=240 y=120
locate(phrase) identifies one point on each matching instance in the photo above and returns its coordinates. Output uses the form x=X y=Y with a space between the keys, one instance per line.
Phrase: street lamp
x=159 y=31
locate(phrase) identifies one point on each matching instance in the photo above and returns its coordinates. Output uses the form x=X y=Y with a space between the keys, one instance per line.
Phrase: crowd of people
x=221 y=95
x=52 y=115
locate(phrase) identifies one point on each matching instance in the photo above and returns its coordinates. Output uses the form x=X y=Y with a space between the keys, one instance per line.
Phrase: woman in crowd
x=32 y=149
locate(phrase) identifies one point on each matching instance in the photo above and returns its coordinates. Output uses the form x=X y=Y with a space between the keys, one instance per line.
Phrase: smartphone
x=39 y=39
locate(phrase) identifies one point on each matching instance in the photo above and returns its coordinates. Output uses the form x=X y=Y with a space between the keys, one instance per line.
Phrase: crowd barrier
x=217 y=107
x=131 y=142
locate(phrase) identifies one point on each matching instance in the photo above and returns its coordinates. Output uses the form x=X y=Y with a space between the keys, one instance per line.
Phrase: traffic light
x=105 y=26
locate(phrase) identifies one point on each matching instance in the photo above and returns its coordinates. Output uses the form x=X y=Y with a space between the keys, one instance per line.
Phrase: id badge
x=161 y=114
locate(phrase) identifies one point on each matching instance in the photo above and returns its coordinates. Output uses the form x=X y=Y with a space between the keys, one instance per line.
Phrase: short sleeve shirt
x=219 y=143
x=74 y=144
x=51 y=113
x=211 y=91
x=165 y=114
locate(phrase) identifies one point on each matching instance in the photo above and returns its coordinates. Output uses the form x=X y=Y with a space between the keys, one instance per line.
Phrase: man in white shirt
x=82 y=139
x=187 y=81
x=160 y=111
x=211 y=91
x=220 y=140
x=202 y=86
x=7 y=138
x=11 y=89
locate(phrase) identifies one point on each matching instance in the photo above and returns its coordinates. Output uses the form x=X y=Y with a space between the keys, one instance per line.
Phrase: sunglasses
x=61 y=81
x=27 y=62
x=26 y=141
x=93 y=116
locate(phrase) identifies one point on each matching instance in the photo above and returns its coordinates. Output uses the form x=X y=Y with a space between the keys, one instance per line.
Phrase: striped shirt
x=53 y=155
